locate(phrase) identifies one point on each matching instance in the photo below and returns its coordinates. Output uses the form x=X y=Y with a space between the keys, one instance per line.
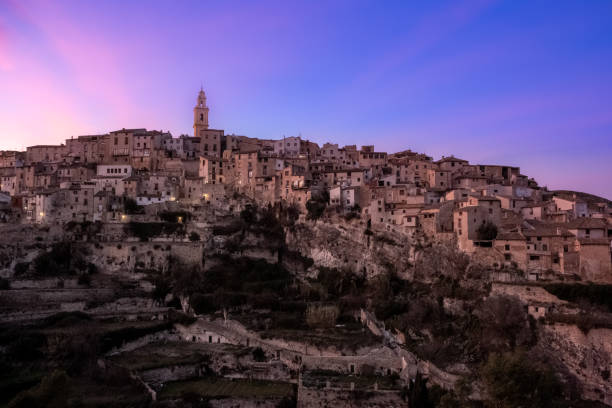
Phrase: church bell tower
x=200 y=114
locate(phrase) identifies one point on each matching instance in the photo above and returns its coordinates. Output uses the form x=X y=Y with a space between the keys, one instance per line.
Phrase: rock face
x=349 y=247
x=588 y=356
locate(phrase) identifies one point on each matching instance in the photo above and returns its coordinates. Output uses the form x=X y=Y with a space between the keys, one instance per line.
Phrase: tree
x=249 y=214
x=291 y=214
x=259 y=355
x=315 y=209
x=487 y=231
x=515 y=380
x=52 y=392
x=131 y=207
x=417 y=394
x=505 y=324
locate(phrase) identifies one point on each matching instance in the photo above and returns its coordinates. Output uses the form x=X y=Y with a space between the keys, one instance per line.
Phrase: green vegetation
x=213 y=387
x=131 y=207
x=487 y=231
x=158 y=355
x=229 y=229
x=52 y=392
x=316 y=205
x=232 y=283
x=175 y=216
x=315 y=208
x=516 y=380
x=21 y=268
x=147 y=230
x=599 y=295
x=584 y=320
x=64 y=258
x=259 y=355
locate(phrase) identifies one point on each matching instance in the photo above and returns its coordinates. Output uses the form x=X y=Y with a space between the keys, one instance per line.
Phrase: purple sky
x=520 y=83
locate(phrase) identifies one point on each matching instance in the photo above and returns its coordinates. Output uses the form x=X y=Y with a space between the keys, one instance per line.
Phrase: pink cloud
x=93 y=65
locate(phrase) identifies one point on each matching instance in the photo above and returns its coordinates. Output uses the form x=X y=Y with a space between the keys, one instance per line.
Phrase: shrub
x=63 y=259
x=576 y=292
x=161 y=290
x=287 y=402
x=21 y=268
x=84 y=279
x=131 y=207
x=322 y=316
x=194 y=236
x=146 y=230
x=92 y=269
x=51 y=392
x=65 y=319
x=505 y=324
x=259 y=355
x=228 y=229
x=417 y=394
x=118 y=337
x=4 y=284
x=175 y=216
x=514 y=380
x=26 y=347
x=315 y=209
x=291 y=214
x=202 y=304
x=249 y=214
x=487 y=231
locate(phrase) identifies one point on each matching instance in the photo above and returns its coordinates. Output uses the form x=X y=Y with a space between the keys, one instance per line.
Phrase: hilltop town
x=96 y=177
x=142 y=269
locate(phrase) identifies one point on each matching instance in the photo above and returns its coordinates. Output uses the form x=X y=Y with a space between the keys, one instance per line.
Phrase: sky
x=522 y=83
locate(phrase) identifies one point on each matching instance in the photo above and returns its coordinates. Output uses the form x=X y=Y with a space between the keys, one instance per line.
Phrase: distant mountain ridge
x=590 y=199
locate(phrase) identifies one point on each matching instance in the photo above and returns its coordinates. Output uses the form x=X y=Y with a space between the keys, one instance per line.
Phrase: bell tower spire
x=200 y=113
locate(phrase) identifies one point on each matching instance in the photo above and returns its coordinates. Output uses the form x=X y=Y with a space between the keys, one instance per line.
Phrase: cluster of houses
x=490 y=208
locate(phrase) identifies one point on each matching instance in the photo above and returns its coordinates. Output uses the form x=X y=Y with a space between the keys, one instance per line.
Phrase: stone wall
x=130 y=256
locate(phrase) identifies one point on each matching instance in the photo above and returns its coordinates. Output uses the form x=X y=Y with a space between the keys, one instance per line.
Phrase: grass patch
x=227 y=388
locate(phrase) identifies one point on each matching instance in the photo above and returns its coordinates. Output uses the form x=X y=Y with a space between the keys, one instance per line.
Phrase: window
x=507 y=257
x=507 y=247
